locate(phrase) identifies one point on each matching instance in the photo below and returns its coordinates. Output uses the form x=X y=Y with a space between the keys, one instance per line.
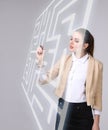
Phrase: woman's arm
x=98 y=94
x=55 y=71
x=98 y=100
x=50 y=75
x=96 y=122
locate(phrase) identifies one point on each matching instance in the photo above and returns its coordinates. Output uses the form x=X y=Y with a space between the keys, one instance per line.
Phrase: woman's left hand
x=96 y=123
x=95 y=126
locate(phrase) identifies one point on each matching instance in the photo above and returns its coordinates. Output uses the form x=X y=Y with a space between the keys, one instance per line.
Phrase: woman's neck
x=79 y=55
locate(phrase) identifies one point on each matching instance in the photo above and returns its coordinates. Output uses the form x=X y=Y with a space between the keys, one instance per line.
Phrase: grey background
x=17 y=20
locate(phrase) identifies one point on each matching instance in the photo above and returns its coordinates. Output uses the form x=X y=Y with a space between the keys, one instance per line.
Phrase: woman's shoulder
x=66 y=56
x=96 y=61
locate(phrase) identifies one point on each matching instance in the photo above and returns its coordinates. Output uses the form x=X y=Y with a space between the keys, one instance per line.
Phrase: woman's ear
x=85 y=45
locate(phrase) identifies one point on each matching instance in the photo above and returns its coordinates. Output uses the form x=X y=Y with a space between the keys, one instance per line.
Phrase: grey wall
x=17 y=19
x=17 y=22
x=99 y=27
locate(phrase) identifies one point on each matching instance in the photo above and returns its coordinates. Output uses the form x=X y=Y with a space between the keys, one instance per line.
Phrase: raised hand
x=40 y=55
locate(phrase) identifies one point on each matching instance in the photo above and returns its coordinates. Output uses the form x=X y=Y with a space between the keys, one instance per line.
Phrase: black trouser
x=73 y=116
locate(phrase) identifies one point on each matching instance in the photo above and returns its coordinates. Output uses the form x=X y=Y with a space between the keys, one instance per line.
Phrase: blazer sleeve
x=53 y=72
x=98 y=93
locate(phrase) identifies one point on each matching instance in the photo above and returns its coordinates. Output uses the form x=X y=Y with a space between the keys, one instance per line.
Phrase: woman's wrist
x=96 y=119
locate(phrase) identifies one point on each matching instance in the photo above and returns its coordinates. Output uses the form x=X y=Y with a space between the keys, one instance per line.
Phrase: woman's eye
x=76 y=41
x=71 y=38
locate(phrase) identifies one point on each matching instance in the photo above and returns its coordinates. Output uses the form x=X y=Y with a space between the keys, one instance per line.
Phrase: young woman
x=80 y=85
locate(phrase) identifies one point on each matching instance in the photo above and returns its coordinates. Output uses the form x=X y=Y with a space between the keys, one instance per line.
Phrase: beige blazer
x=93 y=79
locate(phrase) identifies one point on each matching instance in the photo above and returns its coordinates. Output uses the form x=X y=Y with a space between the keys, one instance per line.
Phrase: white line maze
x=52 y=29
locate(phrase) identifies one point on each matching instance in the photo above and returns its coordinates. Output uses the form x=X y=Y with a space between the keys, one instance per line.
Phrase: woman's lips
x=71 y=47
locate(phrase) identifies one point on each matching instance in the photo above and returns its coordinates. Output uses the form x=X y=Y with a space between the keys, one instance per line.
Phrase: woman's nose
x=71 y=42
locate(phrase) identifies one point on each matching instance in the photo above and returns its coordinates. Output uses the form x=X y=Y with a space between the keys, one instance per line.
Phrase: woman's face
x=76 y=42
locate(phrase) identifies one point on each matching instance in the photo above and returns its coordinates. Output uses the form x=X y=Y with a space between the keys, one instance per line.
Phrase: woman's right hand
x=40 y=55
x=39 y=52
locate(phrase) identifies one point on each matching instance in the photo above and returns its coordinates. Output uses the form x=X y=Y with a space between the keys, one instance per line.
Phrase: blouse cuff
x=97 y=112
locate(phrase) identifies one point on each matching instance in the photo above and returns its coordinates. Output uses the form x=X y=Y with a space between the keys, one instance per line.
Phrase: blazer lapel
x=68 y=65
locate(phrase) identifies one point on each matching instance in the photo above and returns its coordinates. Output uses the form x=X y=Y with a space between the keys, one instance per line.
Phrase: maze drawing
x=52 y=30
